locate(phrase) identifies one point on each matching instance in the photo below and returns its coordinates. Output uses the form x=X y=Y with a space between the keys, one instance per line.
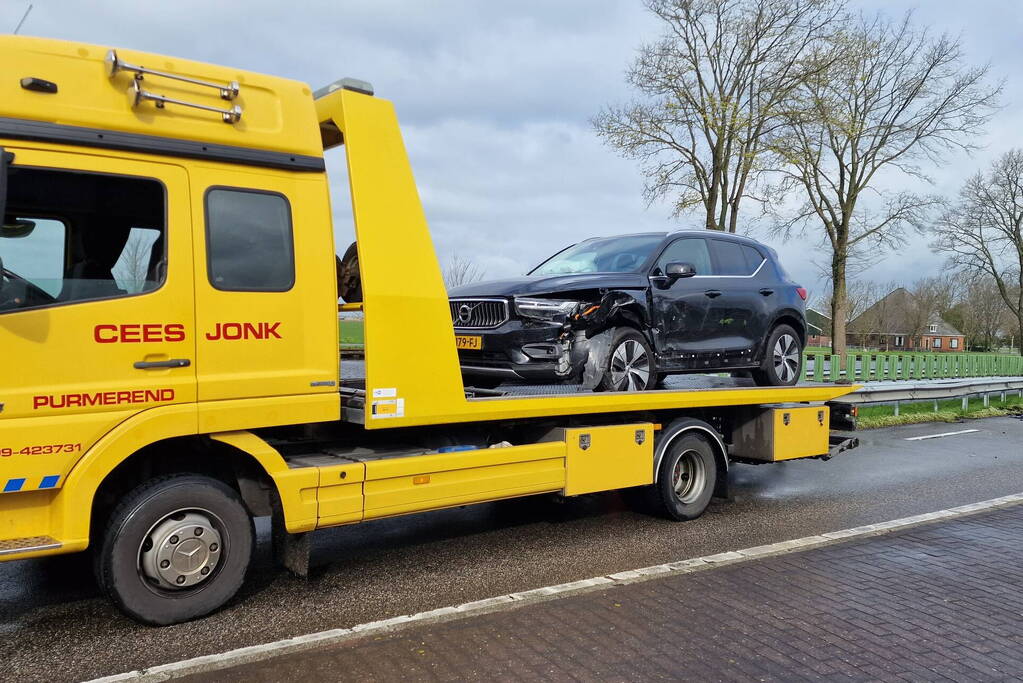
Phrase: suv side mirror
x=679 y=270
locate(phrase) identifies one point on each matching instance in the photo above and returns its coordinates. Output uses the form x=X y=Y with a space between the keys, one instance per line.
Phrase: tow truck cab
x=168 y=331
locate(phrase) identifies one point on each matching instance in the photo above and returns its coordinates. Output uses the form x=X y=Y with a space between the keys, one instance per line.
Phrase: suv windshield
x=603 y=255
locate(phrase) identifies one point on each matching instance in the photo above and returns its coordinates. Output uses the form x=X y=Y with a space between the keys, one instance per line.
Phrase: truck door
x=266 y=300
x=680 y=307
x=96 y=305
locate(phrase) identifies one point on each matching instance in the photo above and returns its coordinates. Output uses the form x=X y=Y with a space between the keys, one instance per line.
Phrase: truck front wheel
x=176 y=548
x=686 y=477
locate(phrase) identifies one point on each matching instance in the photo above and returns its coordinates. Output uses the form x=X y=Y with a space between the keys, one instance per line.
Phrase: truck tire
x=783 y=359
x=630 y=363
x=176 y=548
x=686 y=478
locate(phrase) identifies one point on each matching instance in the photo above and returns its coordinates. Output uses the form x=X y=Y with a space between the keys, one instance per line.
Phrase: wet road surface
x=55 y=626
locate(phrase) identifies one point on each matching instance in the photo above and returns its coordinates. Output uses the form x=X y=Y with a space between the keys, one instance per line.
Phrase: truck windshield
x=602 y=255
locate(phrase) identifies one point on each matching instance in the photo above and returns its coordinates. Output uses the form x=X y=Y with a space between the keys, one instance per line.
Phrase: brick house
x=818 y=328
x=894 y=323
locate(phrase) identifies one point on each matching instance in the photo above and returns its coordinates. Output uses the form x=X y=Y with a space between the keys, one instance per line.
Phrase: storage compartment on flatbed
x=770 y=433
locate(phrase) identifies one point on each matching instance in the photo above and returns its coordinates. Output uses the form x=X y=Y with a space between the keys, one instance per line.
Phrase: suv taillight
x=801 y=291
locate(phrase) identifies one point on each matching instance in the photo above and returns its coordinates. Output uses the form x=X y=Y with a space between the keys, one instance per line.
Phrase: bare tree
x=713 y=88
x=895 y=98
x=132 y=265
x=460 y=270
x=860 y=295
x=981 y=314
x=983 y=232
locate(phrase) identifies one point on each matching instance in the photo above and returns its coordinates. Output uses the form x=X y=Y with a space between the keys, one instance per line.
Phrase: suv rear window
x=753 y=258
x=730 y=258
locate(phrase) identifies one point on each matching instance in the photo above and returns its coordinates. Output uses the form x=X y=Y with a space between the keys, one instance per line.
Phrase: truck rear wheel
x=686 y=477
x=176 y=548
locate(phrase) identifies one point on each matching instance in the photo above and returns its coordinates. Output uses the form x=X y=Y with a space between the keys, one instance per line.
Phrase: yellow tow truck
x=169 y=339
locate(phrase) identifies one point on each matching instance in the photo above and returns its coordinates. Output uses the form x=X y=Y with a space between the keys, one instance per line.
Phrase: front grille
x=478 y=313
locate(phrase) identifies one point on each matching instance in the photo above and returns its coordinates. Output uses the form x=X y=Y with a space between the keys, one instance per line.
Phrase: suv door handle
x=158 y=364
x=713 y=293
x=767 y=291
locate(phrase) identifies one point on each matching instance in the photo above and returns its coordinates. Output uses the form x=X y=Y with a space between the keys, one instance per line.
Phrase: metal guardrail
x=932 y=391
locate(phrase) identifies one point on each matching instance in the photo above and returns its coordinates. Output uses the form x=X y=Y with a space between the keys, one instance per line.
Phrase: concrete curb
x=255 y=653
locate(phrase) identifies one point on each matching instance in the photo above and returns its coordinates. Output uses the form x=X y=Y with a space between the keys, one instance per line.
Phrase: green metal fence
x=866 y=366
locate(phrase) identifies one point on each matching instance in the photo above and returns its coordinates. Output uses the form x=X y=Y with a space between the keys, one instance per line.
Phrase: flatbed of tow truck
x=151 y=425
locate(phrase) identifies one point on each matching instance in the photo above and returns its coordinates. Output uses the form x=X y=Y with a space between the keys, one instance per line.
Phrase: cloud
x=494 y=99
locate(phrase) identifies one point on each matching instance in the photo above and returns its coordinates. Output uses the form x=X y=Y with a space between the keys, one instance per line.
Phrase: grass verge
x=873 y=417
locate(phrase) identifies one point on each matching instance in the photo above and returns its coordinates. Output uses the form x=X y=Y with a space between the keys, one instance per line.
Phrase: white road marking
x=938 y=436
x=256 y=653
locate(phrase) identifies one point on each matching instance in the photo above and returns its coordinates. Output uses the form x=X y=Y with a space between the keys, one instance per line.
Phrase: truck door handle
x=767 y=291
x=713 y=293
x=157 y=364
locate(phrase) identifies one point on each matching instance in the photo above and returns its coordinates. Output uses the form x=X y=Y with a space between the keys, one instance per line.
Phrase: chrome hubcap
x=786 y=358
x=688 y=476
x=630 y=366
x=181 y=551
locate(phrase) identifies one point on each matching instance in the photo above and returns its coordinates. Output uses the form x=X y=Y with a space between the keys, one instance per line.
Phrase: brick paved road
x=937 y=602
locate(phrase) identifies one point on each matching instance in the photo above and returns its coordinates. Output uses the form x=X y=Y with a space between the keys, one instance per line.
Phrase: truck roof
x=62 y=91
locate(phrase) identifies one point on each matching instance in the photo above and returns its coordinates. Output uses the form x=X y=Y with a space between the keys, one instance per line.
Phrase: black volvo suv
x=621 y=313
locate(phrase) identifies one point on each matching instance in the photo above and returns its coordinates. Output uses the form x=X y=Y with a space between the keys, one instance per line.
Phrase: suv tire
x=630 y=364
x=783 y=359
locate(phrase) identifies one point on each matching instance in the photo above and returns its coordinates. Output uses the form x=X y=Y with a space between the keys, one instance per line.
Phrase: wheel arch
x=685 y=425
x=154 y=442
x=793 y=320
x=193 y=454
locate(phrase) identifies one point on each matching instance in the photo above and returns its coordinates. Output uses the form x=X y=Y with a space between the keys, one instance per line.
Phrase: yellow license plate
x=468 y=341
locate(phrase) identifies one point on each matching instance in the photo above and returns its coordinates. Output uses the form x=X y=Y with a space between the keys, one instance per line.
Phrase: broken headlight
x=545 y=309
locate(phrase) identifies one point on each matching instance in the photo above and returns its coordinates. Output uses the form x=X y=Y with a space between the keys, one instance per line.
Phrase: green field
x=351 y=332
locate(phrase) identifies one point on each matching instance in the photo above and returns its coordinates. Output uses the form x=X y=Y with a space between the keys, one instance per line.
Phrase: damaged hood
x=529 y=285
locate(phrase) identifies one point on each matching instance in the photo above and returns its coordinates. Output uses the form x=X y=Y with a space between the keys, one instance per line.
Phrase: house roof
x=818 y=321
x=891 y=315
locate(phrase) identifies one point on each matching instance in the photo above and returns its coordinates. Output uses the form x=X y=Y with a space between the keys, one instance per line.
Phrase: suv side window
x=249 y=244
x=71 y=236
x=691 y=250
x=730 y=259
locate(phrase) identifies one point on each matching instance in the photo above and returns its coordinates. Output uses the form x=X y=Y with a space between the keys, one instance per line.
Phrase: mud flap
x=290 y=551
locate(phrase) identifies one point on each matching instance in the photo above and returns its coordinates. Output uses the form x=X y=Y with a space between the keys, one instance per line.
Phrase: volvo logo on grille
x=478 y=313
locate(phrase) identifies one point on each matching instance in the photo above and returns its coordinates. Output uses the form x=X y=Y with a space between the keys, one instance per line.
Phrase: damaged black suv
x=621 y=313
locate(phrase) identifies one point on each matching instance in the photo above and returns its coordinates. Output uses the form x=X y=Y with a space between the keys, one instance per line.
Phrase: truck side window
x=249 y=241
x=71 y=236
x=687 y=250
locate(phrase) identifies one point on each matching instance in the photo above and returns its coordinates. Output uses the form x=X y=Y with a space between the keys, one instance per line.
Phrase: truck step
x=29 y=544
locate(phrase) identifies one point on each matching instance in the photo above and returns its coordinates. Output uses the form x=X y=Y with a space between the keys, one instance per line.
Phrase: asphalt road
x=55 y=626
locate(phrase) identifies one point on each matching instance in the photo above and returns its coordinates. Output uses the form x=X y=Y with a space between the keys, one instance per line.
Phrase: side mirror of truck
x=14 y=228
x=679 y=270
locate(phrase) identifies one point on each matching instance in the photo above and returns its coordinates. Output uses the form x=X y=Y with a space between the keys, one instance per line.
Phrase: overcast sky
x=495 y=100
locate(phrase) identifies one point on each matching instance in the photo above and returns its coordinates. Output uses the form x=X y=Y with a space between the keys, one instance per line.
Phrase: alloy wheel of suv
x=783 y=359
x=630 y=364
